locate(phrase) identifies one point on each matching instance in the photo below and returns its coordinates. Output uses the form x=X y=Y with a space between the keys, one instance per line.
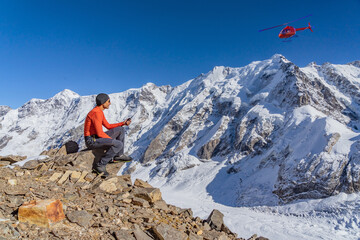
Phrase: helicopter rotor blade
x=300 y=18
x=285 y=23
x=272 y=27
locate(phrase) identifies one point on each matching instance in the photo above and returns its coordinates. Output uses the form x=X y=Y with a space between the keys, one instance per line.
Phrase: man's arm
x=110 y=126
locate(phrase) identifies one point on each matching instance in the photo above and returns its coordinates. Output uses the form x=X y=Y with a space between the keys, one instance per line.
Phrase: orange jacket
x=94 y=122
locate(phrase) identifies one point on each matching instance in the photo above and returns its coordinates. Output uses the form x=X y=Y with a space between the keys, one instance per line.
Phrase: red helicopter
x=289 y=31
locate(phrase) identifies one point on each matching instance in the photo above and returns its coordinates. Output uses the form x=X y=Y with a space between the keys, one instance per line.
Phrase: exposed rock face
x=216 y=219
x=350 y=178
x=253 y=132
x=207 y=150
x=41 y=212
x=164 y=231
x=4 y=141
x=6 y=160
x=82 y=218
x=4 y=110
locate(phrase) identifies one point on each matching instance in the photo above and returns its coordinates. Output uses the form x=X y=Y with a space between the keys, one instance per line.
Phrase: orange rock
x=41 y=212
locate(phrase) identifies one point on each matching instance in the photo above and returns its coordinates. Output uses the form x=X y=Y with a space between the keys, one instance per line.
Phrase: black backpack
x=71 y=147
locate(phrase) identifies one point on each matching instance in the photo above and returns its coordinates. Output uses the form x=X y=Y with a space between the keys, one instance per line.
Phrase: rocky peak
x=279 y=57
x=4 y=110
x=312 y=64
x=355 y=63
x=66 y=93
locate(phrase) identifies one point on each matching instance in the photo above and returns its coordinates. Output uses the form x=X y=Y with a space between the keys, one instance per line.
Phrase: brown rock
x=32 y=164
x=216 y=220
x=126 y=179
x=75 y=176
x=84 y=160
x=61 y=161
x=123 y=235
x=12 y=158
x=7 y=231
x=50 y=152
x=55 y=176
x=206 y=226
x=4 y=163
x=140 y=202
x=140 y=234
x=19 y=174
x=41 y=212
x=165 y=232
x=174 y=210
x=55 y=152
x=142 y=184
x=193 y=236
x=187 y=213
x=226 y=230
x=114 y=168
x=111 y=210
x=161 y=204
x=15 y=192
x=125 y=195
x=65 y=177
x=126 y=200
x=149 y=194
x=253 y=237
x=89 y=177
x=42 y=167
x=135 y=220
x=214 y=235
x=12 y=182
x=61 y=151
x=109 y=186
x=82 y=218
x=83 y=177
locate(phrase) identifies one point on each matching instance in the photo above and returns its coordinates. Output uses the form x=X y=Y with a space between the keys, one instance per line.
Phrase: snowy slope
x=245 y=140
x=335 y=217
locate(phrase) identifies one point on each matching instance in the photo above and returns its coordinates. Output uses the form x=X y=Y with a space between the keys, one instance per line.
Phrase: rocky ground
x=95 y=208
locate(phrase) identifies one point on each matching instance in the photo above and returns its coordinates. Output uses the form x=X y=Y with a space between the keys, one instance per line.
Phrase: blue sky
x=111 y=46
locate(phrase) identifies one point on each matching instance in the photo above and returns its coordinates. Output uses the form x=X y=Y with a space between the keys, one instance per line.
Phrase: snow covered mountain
x=274 y=132
x=4 y=110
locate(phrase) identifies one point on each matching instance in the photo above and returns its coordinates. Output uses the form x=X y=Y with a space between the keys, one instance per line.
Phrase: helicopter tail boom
x=304 y=28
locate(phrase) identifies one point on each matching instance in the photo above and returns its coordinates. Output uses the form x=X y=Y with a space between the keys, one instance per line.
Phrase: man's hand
x=128 y=121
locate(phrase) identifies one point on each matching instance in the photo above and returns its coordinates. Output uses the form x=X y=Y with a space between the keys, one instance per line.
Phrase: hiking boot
x=101 y=169
x=121 y=158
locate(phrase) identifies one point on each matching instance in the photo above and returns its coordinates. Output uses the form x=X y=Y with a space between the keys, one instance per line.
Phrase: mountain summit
x=280 y=132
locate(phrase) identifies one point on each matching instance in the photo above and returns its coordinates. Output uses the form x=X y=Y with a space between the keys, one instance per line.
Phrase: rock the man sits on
x=112 y=141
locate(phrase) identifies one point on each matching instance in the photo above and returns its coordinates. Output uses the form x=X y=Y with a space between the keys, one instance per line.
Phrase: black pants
x=114 y=146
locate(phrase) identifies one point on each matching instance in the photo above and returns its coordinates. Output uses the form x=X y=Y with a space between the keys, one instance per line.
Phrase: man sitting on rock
x=112 y=141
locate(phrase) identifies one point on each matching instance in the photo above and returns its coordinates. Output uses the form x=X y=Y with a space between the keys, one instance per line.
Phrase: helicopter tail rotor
x=310 y=28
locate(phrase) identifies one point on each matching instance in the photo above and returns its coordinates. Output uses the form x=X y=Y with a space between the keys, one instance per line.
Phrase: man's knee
x=120 y=129
x=117 y=144
x=119 y=133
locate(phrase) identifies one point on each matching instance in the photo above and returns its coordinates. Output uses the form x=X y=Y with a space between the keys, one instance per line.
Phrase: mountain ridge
x=299 y=124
